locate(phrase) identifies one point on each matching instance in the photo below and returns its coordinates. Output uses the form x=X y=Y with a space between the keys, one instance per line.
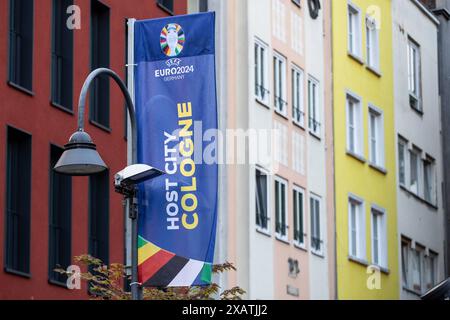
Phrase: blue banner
x=175 y=98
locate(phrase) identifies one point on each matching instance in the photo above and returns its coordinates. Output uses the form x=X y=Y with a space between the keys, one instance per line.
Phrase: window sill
x=410 y=193
x=416 y=110
x=298 y=125
x=281 y=114
x=355 y=57
x=282 y=239
x=359 y=261
x=58 y=284
x=378 y=168
x=412 y=291
x=62 y=108
x=264 y=104
x=18 y=273
x=375 y=71
x=384 y=270
x=264 y=232
x=20 y=88
x=315 y=135
x=100 y=126
x=318 y=253
x=356 y=156
x=165 y=9
x=300 y=246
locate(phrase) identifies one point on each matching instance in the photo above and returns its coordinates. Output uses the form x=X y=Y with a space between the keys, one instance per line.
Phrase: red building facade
x=32 y=125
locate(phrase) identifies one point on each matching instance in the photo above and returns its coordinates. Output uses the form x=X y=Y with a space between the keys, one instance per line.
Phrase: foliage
x=106 y=282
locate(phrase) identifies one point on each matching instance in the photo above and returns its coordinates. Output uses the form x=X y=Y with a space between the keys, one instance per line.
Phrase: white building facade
x=419 y=149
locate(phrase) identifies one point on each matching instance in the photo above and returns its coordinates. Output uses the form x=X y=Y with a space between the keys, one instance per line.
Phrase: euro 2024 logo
x=172 y=40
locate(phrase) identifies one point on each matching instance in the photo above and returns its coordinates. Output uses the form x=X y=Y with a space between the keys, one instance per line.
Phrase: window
x=203 y=6
x=298 y=109
x=279 y=82
x=261 y=73
x=62 y=56
x=430 y=270
x=406 y=244
x=402 y=148
x=99 y=97
x=376 y=137
x=313 y=107
x=18 y=199
x=262 y=191
x=414 y=158
x=354 y=126
x=379 y=237
x=316 y=238
x=166 y=4
x=99 y=216
x=21 y=43
x=280 y=208
x=354 y=31
x=357 y=234
x=417 y=258
x=429 y=182
x=297 y=2
x=299 y=221
x=60 y=207
x=372 y=42
x=414 y=75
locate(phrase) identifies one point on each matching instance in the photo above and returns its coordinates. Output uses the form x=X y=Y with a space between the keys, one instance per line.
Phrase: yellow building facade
x=364 y=135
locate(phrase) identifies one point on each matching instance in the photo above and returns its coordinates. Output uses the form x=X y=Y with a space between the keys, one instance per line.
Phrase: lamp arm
x=130 y=106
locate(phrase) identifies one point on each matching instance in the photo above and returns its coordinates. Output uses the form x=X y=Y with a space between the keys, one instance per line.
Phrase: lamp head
x=80 y=157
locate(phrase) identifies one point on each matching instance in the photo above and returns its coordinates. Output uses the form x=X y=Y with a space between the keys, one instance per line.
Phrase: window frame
x=313 y=216
x=262 y=71
x=429 y=184
x=259 y=228
x=378 y=114
x=404 y=143
x=296 y=190
x=279 y=84
x=372 y=44
x=279 y=235
x=360 y=230
x=298 y=95
x=354 y=31
x=418 y=154
x=416 y=78
x=314 y=106
x=358 y=125
x=379 y=214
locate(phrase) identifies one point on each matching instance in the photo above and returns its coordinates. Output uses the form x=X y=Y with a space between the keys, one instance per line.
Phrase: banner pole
x=132 y=158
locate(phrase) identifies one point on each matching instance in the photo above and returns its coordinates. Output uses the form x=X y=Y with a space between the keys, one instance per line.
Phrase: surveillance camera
x=133 y=175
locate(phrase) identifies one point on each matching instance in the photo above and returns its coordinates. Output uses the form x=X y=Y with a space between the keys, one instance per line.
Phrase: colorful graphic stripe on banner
x=157 y=267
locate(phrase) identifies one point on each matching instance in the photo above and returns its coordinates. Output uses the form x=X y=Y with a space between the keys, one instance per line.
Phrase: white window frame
x=360 y=229
x=414 y=74
x=429 y=180
x=406 y=262
x=431 y=260
x=372 y=44
x=354 y=30
x=418 y=154
x=313 y=223
x=420 y=251
x=268 y=210
x=299 y=191
x=261 y=76
x=355 y=124
x=379 y=214
x=285 y=183
x=404 y=143
x=279 y=84
x=377 y=159
x=314 y=107
x=298 y=96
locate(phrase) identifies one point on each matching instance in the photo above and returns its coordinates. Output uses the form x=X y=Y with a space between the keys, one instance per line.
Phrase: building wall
x=47 y=124
x=355 y=176
x=419 y=220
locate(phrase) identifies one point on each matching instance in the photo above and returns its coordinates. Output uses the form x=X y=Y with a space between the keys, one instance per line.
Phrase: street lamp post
x=80 y=158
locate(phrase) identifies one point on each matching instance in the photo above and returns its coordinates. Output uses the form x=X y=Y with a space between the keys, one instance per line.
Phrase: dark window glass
x=62 y=56
x=18 y=192
x=203 y=6
x=60 y=189
x=167 y=4
x=99 y=95
x=261 y=200
x=21 y=43
x=99 y=216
